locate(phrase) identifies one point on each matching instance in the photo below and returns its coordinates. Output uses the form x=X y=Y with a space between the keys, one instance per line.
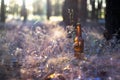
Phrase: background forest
x=37 y=39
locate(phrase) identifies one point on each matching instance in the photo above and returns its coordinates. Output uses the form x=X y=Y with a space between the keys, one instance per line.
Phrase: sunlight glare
x=20 y=2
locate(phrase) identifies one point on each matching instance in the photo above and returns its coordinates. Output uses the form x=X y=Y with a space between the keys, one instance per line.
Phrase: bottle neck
x=78 y=31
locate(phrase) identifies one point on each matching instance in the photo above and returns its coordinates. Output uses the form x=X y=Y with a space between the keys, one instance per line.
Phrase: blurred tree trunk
x=24 y=11
x=83 y=10
x=2 y=11
x=113 y=17
x=48 y=9
x=93 y=15
x=70 y=12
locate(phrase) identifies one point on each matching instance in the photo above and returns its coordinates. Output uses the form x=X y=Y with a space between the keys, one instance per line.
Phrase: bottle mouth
x=78 y=23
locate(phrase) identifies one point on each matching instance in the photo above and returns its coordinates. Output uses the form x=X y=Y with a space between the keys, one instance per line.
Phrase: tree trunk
x=83 y=10
x=2 y=11
x=48 y=9
x=79 y=8
x=24 y=11
x=70 y=12
x=93 y=15
x=113 y=17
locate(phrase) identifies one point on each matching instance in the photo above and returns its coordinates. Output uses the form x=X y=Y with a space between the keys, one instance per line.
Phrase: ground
x=41 y=51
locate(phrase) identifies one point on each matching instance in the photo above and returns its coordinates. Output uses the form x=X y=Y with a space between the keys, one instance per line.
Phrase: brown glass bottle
x=78 y=43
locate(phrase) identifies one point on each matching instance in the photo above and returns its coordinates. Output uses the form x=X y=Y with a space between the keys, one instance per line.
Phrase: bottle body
x=78 y=43
x=78 y=47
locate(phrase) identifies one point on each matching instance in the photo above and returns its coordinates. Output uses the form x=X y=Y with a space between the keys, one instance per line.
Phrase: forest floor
x=41 y=51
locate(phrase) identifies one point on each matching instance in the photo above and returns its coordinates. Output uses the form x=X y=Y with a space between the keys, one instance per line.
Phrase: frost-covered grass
x=43 y=51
